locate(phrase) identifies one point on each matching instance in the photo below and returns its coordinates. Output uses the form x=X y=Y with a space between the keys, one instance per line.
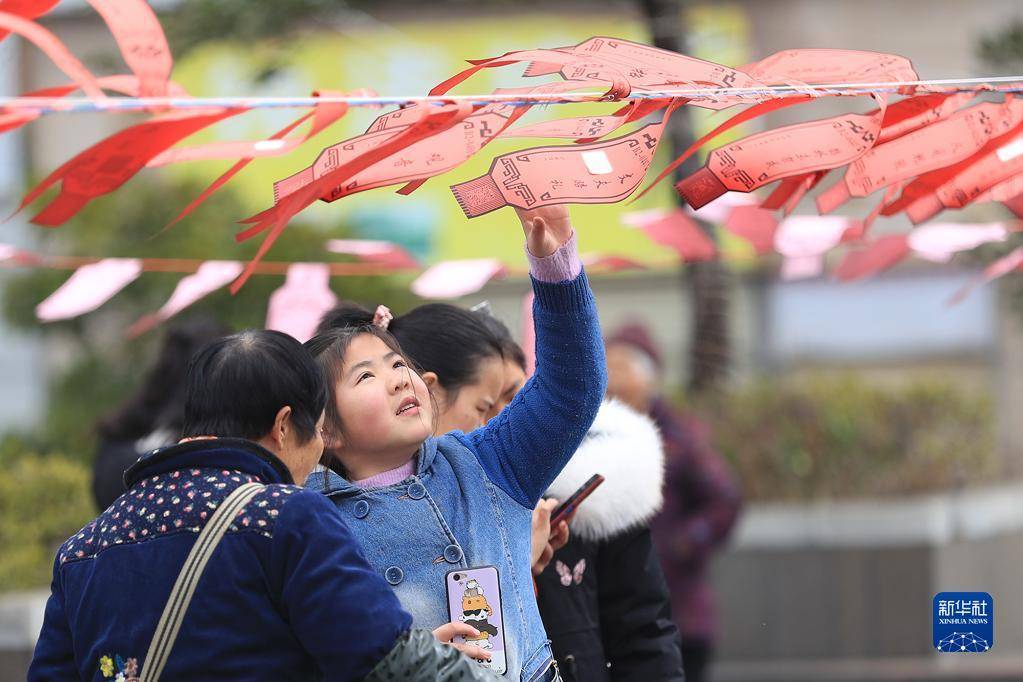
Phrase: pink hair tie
x=382 y=317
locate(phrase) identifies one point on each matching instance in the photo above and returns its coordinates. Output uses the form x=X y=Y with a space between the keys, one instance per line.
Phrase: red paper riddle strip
x=107 y=165
x=29 y=9
x=936 y=146
x=928 y=183
x=432 y=120
x=650 y=67
x=590 y=127
x=419 y=161
x=883 y=254
x=913 y=113
x=424 y=159
x=964 y=188
x=589 y=70
x=596 y=173
x=827 y=65
x=755 y=111
x=899 y=119
x=140 y=37
x=323 y=115
x=757 y=160
x=1006 y=190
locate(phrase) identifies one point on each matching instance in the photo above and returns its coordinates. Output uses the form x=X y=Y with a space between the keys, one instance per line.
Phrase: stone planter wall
x=850 y=585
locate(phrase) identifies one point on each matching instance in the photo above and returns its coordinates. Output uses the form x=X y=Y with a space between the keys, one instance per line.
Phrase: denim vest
x=450 y=489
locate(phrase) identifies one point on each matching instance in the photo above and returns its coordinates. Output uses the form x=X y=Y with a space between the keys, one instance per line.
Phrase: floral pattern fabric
x=177 y=501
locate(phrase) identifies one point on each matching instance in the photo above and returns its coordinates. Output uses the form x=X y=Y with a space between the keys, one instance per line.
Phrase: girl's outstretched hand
x=546 y=228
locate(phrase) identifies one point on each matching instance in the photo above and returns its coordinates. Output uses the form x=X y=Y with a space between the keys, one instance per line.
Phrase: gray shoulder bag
x=191 y=572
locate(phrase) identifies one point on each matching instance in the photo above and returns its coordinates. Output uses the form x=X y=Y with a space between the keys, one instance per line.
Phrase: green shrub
x=43 y=501
x=843 y=437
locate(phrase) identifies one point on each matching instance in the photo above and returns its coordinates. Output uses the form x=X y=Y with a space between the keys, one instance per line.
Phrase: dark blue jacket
x=288 y=594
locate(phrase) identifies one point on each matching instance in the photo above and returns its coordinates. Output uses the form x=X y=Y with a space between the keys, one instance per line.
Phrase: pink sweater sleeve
x=561 y=266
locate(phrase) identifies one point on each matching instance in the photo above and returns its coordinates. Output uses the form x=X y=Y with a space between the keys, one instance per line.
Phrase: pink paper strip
x=140 y=37
x=991 y=169
x=296 y=307
x=939 y=242
x=29 y=9
x=718 y=210
x=914 y=113
x=455 y=278
x=883 y=254
x=374 y=251
x=811 y=235
x=211 y=275
x=600 y=262
x=431 y=121
x=676 y=230
x=754 y=224
x=801 y=267
x=429 y=157
x=88 y=288
x=323 y=115
x=1001 y=267
x=110 y=163
x=1005 y=190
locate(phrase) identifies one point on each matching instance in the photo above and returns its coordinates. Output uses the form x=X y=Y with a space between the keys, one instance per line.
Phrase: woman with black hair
x=287 y=594
x=602 y=595
x=151 y=418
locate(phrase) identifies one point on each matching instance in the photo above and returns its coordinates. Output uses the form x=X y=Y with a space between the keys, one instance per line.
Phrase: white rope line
x=79 y=104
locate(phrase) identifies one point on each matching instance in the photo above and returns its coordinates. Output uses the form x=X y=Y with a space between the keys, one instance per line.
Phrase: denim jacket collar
x=331 y=484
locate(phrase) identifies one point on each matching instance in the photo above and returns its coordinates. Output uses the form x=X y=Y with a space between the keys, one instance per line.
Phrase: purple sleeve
x=702 y=499
x=561 y=266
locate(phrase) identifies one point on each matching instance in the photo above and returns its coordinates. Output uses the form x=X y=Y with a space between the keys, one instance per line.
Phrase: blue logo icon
x=964 y=622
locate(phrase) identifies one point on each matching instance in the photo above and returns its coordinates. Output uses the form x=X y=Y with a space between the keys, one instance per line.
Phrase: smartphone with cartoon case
x=474 y=598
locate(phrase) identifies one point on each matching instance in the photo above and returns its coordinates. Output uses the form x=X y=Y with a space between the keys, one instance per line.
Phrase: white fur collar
x=625 y=448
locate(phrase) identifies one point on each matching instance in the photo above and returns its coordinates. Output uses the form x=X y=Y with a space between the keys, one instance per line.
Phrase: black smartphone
x=566 y=508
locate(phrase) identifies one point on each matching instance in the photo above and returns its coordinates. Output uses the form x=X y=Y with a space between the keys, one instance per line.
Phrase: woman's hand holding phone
x=447 y=632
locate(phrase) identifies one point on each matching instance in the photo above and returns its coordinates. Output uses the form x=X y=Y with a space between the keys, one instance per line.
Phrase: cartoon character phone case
x=474 y=598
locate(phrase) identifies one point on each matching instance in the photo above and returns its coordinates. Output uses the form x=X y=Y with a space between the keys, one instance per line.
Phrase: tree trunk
x=708 y=282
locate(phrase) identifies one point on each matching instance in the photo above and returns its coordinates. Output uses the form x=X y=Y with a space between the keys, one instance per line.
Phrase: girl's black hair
x=236 y=385
x=511 y=350
x=328 y=348
x=435 y=337
x=159 y=402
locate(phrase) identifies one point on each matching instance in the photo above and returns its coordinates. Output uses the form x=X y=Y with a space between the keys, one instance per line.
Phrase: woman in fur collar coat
x=603 y=597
